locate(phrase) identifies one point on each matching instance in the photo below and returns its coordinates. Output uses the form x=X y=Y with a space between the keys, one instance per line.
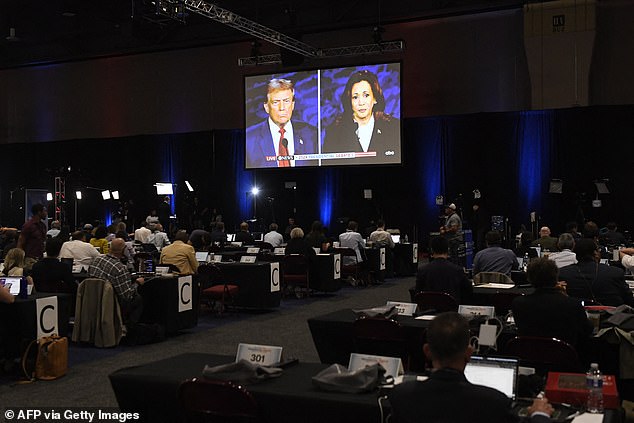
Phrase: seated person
x=627 y=257
x=549 y=312
x=218 y=234
x=565 y=256
x=494 y=258
x=591 y=280
x=14 y=264
x=180 y=254
x=316 y=237
x=158 y=237
x=78 y=249
x=99 y=239
x=273 y=237
x=51 y=275
x=110 y=268
x=441 y=275
x=352 y=239
x=200 y=239
x=244 y=236
x=297 y=244
x=526 y=238
x=545 y=241
x=381 y=237
x=447 y=396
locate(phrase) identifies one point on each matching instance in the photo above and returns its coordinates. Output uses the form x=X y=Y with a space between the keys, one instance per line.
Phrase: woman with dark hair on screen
x=364 y=126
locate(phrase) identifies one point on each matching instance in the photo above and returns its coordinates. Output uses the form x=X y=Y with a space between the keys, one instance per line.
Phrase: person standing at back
x=33 y=236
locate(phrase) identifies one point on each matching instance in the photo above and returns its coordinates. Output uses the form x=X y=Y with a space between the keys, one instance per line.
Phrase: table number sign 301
x=264 y=355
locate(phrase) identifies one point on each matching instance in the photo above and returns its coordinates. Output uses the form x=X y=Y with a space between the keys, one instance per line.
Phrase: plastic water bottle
x=594 y=383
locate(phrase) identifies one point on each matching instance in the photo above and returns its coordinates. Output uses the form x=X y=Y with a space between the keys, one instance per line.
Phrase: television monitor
x=164 y=188
x=324 y=117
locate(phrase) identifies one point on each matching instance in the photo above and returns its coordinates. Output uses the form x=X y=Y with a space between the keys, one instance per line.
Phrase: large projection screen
x=324 y=117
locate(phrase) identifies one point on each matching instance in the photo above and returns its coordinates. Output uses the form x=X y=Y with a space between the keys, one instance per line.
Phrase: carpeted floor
x=87 y=384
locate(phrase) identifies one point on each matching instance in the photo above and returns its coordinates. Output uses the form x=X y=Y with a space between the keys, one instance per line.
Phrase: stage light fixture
x=255 y=190
x=49 y=196
x=105 y=195
x=556 y=186
x=115 y=195
x=476 y=194
x=602 y=187
x=189 y=186
x=78 y=195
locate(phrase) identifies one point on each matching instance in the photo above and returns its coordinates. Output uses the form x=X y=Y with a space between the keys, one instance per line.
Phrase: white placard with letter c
x=337 y=267
x=275 y=277
x=46 y=315
x=382 y=258
x=185 y=298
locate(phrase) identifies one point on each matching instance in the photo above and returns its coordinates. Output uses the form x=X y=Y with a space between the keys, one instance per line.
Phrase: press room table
x=405 y=259
x=24 y=320
x=259 y=283
x=333 y=337
x=165 y=303
x=151 y=390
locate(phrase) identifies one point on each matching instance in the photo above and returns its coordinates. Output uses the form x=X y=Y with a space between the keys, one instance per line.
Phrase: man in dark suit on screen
x=277 y=140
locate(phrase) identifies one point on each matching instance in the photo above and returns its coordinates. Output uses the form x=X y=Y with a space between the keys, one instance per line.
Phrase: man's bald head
x=117 y=246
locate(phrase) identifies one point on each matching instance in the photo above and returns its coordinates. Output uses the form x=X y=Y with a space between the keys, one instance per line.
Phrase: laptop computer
x=201 y=256
x=495 y=372
x=12 y=282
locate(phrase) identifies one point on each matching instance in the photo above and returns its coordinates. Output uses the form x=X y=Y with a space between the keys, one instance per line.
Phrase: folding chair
x=213 y=287
x=295 y=272
x=436 y=301
x=545 y=354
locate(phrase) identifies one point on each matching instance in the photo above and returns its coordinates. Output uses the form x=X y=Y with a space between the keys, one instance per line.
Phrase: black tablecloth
x=151 y=390
x=254 y=281
x=21 y=315
x=333 y=337
x=161 y=304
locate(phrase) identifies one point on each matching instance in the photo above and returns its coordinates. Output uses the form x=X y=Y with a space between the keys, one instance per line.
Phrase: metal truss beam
x=250 y=27
x=383 y=47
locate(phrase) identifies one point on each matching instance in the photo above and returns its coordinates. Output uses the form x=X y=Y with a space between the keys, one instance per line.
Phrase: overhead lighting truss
x=384 y=47
x=175 y=10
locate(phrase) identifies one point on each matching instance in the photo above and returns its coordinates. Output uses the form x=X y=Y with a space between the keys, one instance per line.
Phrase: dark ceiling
x=48 y=31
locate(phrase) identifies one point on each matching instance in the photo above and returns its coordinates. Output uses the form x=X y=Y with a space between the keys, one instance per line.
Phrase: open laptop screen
x=495 y=372
x=201 y=256
x=13 y=282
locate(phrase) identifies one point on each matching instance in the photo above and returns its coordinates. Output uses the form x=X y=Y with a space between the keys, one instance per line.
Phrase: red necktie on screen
x=282 y=150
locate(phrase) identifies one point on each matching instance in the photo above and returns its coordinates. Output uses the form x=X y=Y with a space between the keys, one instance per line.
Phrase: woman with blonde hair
x=14 y=264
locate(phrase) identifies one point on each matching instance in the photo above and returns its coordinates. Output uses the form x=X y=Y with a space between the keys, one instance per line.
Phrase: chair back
x=207 y=400
x=208 y=275
x=502 y=301
x=492 y=277
x=380 y=336
x=98 y=318
x=295 y=264
x=545 y=354
x=436 y=301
